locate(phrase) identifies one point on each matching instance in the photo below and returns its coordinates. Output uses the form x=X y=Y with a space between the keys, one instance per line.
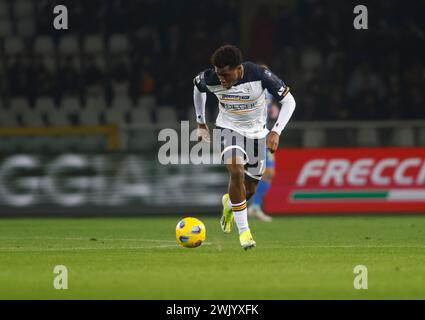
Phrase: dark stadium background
x=129 y=65
x=80 y=114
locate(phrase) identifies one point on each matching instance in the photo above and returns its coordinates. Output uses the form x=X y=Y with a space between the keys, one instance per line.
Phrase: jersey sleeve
x=200 y=82
x=275 y=86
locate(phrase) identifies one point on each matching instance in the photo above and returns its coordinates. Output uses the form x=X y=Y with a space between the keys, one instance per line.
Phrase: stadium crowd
x=152 y=48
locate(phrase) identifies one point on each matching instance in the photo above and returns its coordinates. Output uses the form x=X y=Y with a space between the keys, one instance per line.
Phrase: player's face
x=228 y=76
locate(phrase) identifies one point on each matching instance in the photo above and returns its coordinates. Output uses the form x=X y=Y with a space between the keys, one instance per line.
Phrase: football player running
x=240 y=88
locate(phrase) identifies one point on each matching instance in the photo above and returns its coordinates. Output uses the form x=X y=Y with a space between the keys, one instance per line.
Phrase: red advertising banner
x=361 y=180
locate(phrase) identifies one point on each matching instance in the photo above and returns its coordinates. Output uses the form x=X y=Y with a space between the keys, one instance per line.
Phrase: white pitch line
x=84 y=248
x=205 y=243
x=345 y=246
x=14 y=249
x=85 y=239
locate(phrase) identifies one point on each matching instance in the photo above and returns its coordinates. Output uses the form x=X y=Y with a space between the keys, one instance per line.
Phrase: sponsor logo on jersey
x=233 y=96
x=238 y=107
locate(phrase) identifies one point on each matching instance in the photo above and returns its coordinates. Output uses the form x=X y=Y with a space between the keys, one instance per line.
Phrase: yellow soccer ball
x=190 y=232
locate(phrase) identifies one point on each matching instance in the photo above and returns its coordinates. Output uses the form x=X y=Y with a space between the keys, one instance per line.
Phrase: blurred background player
x=255 y=208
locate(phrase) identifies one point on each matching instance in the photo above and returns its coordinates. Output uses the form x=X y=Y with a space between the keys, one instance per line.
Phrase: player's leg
x=241 y=192
x=256 y=207
x=237 y=190
x=255 y=152
x=237 y=194
x=251 y=186
x=235 y=158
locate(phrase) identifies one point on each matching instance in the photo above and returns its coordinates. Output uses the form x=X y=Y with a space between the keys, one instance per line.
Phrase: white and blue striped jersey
x=243 y=107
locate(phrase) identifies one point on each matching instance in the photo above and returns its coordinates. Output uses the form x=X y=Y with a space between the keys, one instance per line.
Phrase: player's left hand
x=203 y=133
x=272 y=141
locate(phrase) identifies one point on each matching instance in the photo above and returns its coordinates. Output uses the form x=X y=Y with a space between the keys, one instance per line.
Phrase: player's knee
x=236 y=172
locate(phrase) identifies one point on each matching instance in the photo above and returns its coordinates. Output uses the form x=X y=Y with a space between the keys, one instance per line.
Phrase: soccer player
x=240 y=88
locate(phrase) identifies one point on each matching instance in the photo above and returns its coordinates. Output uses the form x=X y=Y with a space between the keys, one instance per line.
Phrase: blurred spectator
x=147 y=84
x=18 y=77
x=363 y=81
x=335 y=71
x=67 y=79
x=39 y=78
x=263 y=30
x=92 y=72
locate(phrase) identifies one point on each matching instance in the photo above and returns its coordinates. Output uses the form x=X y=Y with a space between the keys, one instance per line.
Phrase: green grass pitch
x=137 y=258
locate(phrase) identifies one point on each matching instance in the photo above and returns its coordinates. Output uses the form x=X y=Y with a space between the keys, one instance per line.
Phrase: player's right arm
x=199 y=100
x=280 y=91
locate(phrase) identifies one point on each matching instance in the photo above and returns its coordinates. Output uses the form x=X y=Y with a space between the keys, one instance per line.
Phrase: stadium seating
x=45 y=104
x=116 y=116
x=49 y=63
x=147 y=102
x=97 y=103
x=121 y=89
x=191 y=115
x=58 y=118
x=5 y=27
x=19 y=105
x=14 y=45
x=26 y=27
x=93 y=44
x=8 y=119
x=166 y=115
x=4 y=10
x=69 y=44
x=23 y=8
x=44 y=45
x=32 y=118
x=123 y=98
x=89 y=116
x=122 y=103
x=118 y=43
x=70 y=105
x=141 y=116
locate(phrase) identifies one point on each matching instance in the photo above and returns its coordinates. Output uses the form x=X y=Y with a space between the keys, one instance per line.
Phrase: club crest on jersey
x=281 y=91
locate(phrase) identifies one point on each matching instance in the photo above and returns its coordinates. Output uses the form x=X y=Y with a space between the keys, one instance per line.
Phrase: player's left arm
x=287 y=109
x=280 y=92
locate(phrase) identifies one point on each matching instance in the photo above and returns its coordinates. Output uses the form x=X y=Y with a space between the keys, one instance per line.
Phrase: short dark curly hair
x=227 y=55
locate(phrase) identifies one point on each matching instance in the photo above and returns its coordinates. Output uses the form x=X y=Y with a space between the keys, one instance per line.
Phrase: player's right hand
x=203 y=133
x=272 y=141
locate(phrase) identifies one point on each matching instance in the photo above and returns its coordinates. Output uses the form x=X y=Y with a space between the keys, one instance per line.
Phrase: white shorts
x=251 y=151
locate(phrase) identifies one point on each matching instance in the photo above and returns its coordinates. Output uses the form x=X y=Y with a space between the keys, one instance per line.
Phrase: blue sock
x=262 y=189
